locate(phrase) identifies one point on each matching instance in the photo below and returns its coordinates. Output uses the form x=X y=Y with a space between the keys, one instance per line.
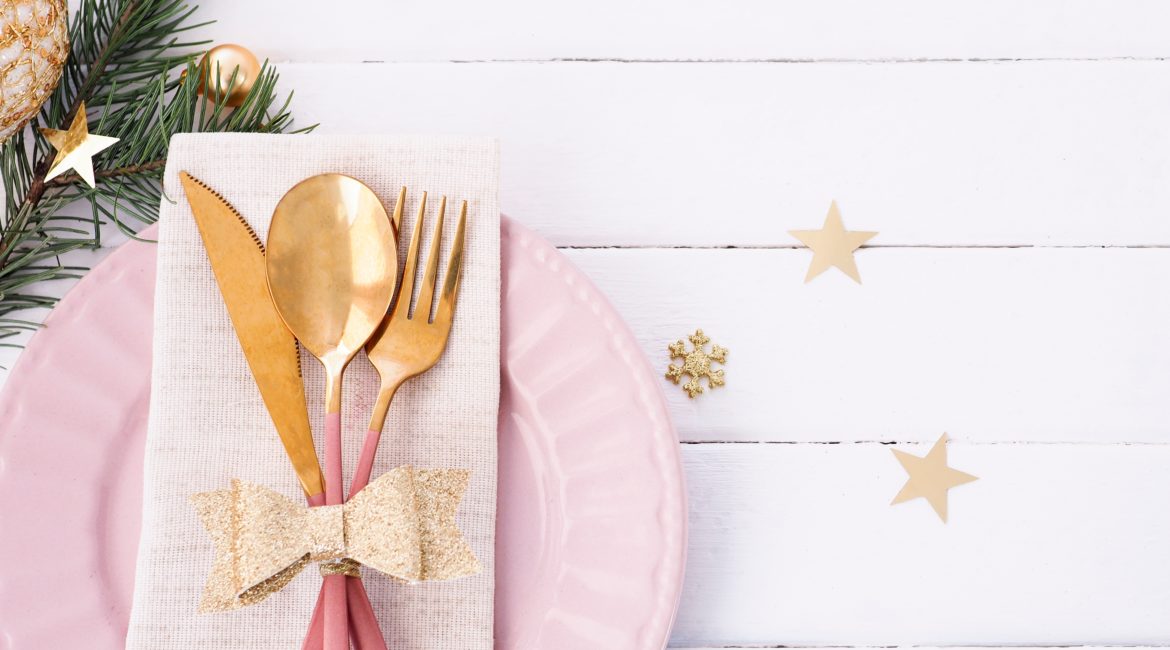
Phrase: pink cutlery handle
x=361 y=612
x=361 y=476
x=315 y=639
x=351 y=606
x=336 y=613
x=336 y=609
x=364 y=631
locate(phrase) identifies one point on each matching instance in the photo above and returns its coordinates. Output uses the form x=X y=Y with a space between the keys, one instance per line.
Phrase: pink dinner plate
x=591 y=531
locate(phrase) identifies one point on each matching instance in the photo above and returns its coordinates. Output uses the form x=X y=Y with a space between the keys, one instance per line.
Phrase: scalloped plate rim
x=41 y=352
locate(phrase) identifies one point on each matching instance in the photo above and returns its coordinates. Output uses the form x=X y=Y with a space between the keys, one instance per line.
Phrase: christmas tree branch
x=71 y=178
x=125 y=61
x=37 y=186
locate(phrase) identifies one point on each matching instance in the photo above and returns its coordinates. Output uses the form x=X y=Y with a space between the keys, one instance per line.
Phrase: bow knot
x=325 y=530
x=402 y=524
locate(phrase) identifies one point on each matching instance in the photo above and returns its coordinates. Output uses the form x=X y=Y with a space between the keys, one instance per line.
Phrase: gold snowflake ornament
x=696 y=363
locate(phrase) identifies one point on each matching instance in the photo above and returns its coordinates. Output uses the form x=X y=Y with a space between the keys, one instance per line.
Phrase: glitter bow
x=402 y=524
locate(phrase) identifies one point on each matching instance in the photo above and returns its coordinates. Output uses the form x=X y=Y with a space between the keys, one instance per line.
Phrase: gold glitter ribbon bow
x=402 y=525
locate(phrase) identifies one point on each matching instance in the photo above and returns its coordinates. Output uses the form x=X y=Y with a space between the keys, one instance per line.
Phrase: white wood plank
x=359 y=30
x=1054 y=545
x=1056 y=153
x=937 y=154
x=987 y=344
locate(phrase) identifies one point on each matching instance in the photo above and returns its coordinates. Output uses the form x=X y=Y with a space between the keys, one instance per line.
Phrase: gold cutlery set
x=329 y=278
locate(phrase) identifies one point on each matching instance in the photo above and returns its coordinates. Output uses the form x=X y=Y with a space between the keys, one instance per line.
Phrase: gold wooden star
x=832 y=245
x=930 y=478
x=76 y=148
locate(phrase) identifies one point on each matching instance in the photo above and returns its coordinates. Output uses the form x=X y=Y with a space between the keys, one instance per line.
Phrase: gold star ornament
x=832 y=245
x=930 y=478
x=76 y=147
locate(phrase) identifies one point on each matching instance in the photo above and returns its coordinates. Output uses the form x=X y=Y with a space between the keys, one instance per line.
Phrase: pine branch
x=37 y=188
x=124 y=64
x=72 y=177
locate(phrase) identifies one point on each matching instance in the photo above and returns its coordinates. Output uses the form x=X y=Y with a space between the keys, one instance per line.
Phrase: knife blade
x=237 y=259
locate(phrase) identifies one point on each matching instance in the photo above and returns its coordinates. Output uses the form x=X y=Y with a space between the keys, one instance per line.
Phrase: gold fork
x=407 y=344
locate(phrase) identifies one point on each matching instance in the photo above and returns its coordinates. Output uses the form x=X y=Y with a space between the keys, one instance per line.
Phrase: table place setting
x=223 y=353
x=340 y=401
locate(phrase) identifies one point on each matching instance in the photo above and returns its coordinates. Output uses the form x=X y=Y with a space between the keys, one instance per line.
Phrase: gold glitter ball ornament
x=216 y=69
x=696 y=363
x=34 y=43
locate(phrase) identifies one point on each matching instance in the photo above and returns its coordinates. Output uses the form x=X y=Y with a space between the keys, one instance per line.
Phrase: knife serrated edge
x=251 y=233
x=232 y=209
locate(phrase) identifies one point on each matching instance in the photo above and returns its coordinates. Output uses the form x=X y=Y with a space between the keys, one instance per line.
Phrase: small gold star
x=76 y=148
x=930 y=478
x=832 y=245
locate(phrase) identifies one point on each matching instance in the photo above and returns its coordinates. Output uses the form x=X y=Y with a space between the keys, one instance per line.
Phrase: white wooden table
x=1015 y=158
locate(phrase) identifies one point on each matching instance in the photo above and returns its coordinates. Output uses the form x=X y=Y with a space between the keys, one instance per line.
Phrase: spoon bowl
x=332 y=264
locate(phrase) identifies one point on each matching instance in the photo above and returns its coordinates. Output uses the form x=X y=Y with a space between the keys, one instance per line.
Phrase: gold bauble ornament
x=216 y=70
x=34 y=42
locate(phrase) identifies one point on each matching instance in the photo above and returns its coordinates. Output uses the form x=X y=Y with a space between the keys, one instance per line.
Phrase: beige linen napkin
x=209 y=425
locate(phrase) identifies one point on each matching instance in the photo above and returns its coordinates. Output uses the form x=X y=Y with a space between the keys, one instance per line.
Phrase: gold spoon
x=332 y=266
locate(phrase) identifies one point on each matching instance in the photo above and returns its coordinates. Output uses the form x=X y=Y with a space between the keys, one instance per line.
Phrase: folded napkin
x=208 y=424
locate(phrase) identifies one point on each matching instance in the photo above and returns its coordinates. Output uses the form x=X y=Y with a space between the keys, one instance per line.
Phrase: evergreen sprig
x=126 y=63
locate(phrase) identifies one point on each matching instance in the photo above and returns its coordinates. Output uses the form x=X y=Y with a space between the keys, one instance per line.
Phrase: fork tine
x=427 y=295
x=396 y=220
x=406 y=291
x=454 y=270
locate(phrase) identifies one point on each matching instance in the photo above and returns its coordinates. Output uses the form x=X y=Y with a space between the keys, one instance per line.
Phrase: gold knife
x=237 y=259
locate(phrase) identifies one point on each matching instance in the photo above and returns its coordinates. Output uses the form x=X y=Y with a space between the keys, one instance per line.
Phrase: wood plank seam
x=924 y=441
x=771 y=247
x=796 y=61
